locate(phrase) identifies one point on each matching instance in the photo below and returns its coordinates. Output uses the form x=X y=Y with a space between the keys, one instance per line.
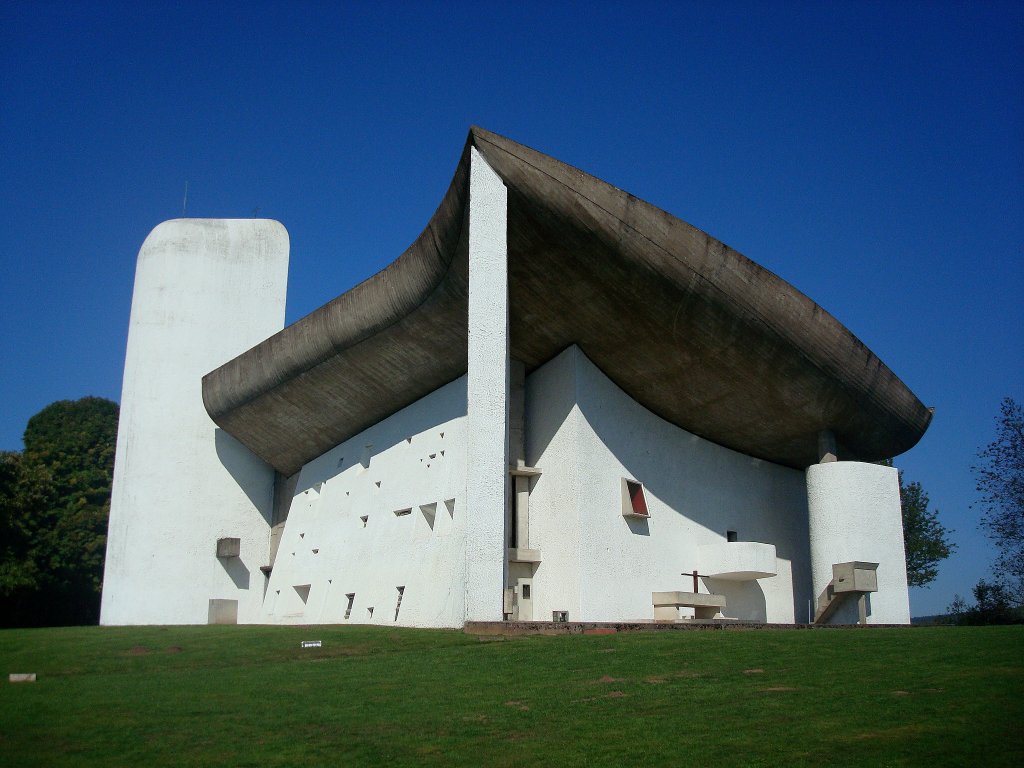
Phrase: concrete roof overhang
x=688 y=327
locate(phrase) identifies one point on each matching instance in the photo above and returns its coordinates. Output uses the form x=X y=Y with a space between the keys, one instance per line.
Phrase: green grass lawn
x=249 y=696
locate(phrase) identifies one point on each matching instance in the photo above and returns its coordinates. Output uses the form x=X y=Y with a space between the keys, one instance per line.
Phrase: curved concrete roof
x=693 y=330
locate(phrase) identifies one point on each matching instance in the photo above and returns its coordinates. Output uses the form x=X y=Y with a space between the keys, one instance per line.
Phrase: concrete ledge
x=521 y=555
x=521 y=628
x=688 y=599
x=737 y=560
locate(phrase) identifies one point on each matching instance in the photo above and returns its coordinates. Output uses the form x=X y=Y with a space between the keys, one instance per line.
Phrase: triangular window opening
x=429 y=512
x=398 y=606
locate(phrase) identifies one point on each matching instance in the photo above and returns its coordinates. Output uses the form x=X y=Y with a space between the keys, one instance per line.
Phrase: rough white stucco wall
x=552 y=445
x=205 y=291
x=413 y=460
x=854 y=512
x=487 y=397
x=586 y=435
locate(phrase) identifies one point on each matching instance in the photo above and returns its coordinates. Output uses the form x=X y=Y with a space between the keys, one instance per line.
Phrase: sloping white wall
x=585 y=434
x=412 y=460
x=205 y=291
x=855 y=515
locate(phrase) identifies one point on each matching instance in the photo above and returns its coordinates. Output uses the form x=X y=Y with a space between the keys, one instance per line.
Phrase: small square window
x=731 y=536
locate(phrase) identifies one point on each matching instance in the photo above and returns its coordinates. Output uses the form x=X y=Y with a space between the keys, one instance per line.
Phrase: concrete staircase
x=852 y=579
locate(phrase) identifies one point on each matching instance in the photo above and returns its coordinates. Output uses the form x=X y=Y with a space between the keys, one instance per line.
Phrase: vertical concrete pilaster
x=827 y=450
x=487 y=393
x=518 y=514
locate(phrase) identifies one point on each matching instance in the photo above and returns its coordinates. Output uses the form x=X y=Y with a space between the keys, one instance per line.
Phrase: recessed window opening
x=560 y=616
x=369 y=612
x=526 y=591
x=367 y=454
x=637 y=498
x=429 y=512
x=450 y=505
x=364 y=518
x=398 y=606
x=351 y=599
x=731 y=536
x=403 y=512
x=341 y=461
x=316 y=551
x=302 y=590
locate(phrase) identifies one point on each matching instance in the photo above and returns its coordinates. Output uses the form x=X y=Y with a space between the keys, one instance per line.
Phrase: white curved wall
x=205 y=291
x=414 y=458
x=854 y=514
x=585 y=434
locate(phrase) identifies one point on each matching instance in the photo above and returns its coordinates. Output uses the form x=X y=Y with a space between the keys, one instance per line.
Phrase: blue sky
x=872 y=154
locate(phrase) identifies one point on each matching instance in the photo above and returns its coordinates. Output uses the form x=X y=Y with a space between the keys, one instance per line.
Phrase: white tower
x=190 y=511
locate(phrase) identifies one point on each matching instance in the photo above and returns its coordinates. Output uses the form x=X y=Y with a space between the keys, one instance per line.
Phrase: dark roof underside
x=688 y=327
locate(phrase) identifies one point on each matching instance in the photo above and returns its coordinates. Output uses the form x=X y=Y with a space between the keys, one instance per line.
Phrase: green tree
x=26 y=495
x=925 y=539
x=55 y=498
x=993 y=604
x=1000 y=481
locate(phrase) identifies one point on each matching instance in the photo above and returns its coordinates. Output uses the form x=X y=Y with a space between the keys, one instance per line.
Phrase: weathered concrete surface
x=688 y=327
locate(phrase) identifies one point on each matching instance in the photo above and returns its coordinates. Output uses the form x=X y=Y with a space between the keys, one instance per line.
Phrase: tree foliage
x=54 y=505
x=26 y=495
x=1000 y=481
x=993 y=604
x=925 y=539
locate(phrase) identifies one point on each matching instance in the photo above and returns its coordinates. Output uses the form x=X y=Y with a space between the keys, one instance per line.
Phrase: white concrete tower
x=190 y=510
x=487 y=393
x=854 y=518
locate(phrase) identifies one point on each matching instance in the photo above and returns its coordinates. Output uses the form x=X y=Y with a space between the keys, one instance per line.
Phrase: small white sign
x=311 y=643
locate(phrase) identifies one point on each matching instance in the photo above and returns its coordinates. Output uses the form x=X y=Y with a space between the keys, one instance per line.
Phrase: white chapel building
x=559 y=404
